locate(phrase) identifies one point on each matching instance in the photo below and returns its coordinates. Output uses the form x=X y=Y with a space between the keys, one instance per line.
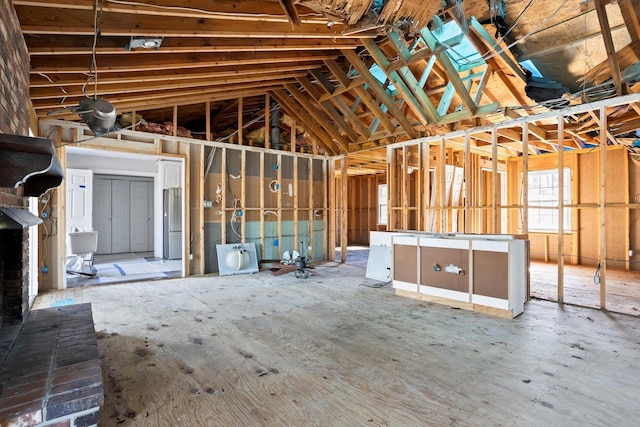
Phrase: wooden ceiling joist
x=118 y=63
x=245 y=10
x=48 y=20
x=83 y=45
x=42 y=80
x=109 y=89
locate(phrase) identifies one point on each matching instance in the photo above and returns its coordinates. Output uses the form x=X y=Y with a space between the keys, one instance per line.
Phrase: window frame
x=535 y=214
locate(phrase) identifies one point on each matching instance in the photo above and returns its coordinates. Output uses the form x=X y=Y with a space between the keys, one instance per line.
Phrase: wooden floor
x=261 y=350
x=622 y=287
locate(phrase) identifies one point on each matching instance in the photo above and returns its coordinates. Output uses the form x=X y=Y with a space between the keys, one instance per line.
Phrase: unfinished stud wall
x=363 y=207
x=581 y=245
x=275 y=200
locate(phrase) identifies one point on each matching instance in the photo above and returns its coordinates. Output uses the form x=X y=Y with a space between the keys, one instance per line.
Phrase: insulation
x=352 y=11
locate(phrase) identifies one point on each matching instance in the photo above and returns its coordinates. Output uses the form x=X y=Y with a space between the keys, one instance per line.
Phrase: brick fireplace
x=14 y=277
x=50 y=371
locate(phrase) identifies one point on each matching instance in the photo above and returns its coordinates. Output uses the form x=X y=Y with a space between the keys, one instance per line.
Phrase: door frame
x=97 y=165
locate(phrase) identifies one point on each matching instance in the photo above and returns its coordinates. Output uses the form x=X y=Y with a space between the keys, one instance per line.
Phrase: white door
x=79 y=199
x=102 y=214
x=120 y=232
x=139 y=216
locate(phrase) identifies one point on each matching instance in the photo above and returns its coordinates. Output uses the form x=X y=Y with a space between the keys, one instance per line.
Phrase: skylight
x=528 y=65
x=458 y=47
x=380 y=76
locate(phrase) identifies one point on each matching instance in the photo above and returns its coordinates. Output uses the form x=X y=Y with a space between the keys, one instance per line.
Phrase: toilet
x=82 y=245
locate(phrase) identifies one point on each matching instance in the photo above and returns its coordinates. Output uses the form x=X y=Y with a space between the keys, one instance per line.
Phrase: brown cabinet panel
x=491 y=274
x=405 y=267
x=431 y=256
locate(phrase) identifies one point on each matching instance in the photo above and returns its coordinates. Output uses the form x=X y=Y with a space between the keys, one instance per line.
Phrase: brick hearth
x=50 y=369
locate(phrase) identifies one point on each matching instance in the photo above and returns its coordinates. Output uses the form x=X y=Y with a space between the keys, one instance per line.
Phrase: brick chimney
x=14 y=119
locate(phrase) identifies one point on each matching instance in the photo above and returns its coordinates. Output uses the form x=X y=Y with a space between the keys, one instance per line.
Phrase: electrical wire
x=515 y=22
x=93 y=70
x=521 y=39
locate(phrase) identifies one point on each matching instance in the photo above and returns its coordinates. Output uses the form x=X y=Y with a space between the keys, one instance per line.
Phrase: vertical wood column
x=262 y=215
x=329 y=205
x=525 y=178
x=602 y=209
x=175 y=121
x=442 y=181
x=467 y=180
x=223 y=202
x=525 y=192
x=240 y=125
x=561 y=208
x=344 y=217
x=207 y=106
x=310 y=215
x=405 y=191
x=243 y=195
x=426 y=179
x=333 y=209
x=494 y=181
x=296 y=236
x=279 y=198
x=267 y=121
x=198 y=184
x=390 y=187
x=59 y=199
x=293 y=136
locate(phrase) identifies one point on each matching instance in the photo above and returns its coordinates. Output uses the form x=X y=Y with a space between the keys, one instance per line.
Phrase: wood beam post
x=207 y=107
x=560 y=208
x=494 y=181
x=467 y=181
x=442 y=180
x=344 y=217
x=223 y=201
x=240 y=109
x=267 y=121
x=175 y=121
x=602 y=208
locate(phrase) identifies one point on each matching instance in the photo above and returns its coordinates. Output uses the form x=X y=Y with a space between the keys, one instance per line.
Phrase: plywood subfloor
x=622 y=287
x=264 y=350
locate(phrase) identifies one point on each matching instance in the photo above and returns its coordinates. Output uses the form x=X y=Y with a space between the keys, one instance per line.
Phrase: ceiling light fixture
x=138 y=42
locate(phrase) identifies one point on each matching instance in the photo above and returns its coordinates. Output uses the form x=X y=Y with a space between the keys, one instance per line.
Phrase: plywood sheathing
x=578 y=45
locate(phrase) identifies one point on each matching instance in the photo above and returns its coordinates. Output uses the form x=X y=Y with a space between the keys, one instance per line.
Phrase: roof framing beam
x=313 y=111
x=612 y=58
x=361 y=92
x=306 y=120
x=410 y=91
x=379 y=92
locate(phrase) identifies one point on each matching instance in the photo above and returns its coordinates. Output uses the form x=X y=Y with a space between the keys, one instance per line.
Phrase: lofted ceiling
x=222 y=69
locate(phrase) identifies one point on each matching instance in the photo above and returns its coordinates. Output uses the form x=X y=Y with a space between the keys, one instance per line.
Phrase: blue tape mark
x=61 y=302
x=120 y=269
x=83 y=186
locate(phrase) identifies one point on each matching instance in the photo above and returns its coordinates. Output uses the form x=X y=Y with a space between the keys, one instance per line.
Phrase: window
x=382 y=204
x=544 y=191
